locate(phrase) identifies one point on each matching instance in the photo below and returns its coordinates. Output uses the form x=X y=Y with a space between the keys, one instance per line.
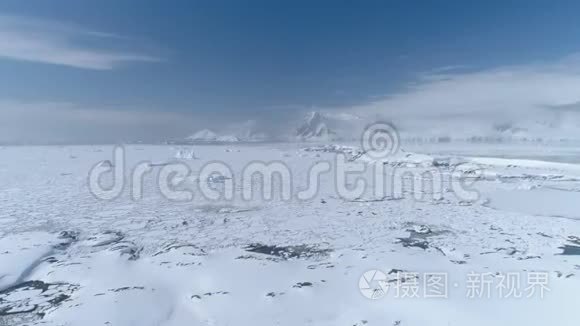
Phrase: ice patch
x=543 y=201
x=185 y=154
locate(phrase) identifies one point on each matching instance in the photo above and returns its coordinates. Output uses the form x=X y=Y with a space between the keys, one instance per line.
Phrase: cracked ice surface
x=68 y=258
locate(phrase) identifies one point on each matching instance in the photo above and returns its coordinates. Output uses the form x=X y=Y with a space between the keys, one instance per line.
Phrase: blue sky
x=246 y=59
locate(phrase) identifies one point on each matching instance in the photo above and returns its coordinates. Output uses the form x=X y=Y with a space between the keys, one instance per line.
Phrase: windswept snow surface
x=69 y=258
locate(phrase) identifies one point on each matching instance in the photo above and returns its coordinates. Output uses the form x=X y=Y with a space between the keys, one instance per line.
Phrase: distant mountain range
x=330 y=126
x=209 y=136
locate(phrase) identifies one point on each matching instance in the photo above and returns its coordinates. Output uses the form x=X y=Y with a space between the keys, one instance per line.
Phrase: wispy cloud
x=28 y=39
x=50 y=122
x=483 y=98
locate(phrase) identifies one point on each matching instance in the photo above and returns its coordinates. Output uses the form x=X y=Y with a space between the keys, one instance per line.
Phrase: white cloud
x=33 y=40
x=447 y=99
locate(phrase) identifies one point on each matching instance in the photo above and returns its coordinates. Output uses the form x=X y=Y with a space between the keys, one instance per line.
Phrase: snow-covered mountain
x=207 y=135
x=314 y=128
x=247 y=131
x=203 y=135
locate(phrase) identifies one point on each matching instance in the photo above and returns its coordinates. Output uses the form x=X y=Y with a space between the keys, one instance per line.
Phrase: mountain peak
x=203 y=135
x=314 y=127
